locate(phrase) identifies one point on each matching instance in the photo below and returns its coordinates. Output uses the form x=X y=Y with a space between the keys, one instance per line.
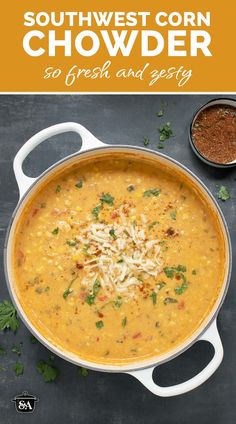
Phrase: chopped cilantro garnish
x=107 y=198
x=71 y=242
x=173 y=214
x=165 y=132
x=181 y=289
x=152 y=192
x=124 y=322
x=160 y=113
x=146 y=141
x=118 y=302
x=99 y=324
x=112 y=234
x=18 y=368
x=58 y=189
x=194 y=272
x=152 y=224
x=223 y=193
x=91 y=297
x=55 y=231
x=96 y=211
x=79 y=184
x=8 y=316
x=83 y=371
x=69 y=290
x=48 y=372
x=160 y=285
x=16 y=349
x=153 y=296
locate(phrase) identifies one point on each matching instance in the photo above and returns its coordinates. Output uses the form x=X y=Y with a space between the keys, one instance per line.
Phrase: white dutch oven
x=93 y=148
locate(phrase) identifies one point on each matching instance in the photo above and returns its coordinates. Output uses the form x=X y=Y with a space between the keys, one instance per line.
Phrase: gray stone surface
x=111 y=398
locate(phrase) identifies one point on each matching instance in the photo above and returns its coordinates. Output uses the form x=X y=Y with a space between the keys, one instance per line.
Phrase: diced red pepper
x=137 y=335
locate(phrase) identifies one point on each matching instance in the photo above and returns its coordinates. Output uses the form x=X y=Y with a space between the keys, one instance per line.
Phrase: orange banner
x=117 y=46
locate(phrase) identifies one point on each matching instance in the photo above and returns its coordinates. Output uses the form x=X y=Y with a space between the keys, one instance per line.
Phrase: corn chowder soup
x=118 y=260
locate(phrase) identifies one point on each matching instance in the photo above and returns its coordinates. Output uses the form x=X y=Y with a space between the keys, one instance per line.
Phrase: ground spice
x=214 y=133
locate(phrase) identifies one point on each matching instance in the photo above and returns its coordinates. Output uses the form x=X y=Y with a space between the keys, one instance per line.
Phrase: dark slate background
x=111 y=398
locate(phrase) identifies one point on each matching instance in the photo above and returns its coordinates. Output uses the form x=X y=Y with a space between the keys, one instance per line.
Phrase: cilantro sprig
x=8 y=316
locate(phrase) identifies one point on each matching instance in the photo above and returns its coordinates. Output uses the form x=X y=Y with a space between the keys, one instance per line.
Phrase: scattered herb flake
x=99 y=324
x=48 y=372
x=223 y=193
x=160 y=285
x=153 y=296
x=146 y=141
x=152 y=224
x=55 y=231
x=165 y=132
x=8 y=316
x=83 y=371
x=16 y=349
x=160 y=113
x=181 y=289
x=152 y=192
x=79 y=184
x=107 y=198
x=71 y=242
x=69 y=290
x=124 y=322
x=96 y=211
x=173 y=214
x=112 y=234
x=90 y=299
x=194 y=272
x=18 y=368
x=58 y=189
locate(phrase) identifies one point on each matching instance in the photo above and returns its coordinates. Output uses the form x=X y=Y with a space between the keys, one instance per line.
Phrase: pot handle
x=145 y=376
x=88 y=142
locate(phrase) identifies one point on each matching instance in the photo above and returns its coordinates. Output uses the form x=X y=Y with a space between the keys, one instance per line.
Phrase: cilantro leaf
x=181 y=289
x=55 y=231
x=173 y=214
x=18 y=368
x=112 y=234
x=124 y=322
x=153 y=296
x=107 y=198
x=8 y=316
x=96 y=210
x=99 y=324
x=146 y=141
x=16 y=349
x=79 y=184
x=152 y=192
x=90 y=299
x=58 y=189
x=83 y=371
x=165 y=132
x=223 y=193
x=48 y=372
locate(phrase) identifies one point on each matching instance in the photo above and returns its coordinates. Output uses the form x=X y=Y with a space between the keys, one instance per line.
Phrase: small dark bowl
x=215 y=102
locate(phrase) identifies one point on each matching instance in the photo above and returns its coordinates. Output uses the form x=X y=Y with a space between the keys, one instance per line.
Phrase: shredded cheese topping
x=119 y=255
